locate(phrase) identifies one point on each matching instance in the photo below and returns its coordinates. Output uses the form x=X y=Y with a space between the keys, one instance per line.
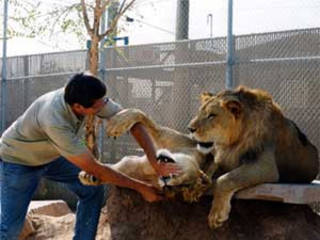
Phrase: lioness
x=253 y=142
x=172 y=146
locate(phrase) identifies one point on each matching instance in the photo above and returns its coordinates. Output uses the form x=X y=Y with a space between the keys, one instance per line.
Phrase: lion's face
x=217 y=121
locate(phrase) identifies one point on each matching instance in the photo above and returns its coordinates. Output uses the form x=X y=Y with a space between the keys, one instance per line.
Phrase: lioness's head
x=218 y=119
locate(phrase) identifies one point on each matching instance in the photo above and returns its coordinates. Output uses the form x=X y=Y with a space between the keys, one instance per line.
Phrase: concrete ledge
x=280 y=192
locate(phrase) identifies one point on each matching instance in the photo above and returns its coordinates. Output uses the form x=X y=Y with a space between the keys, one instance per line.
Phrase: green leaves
x=45 y=20
x=50 y=21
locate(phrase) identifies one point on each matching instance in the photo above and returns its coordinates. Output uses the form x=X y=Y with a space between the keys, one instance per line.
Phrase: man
x=47 y=141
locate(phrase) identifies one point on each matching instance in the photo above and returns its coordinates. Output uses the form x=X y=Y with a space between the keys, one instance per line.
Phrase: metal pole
x=209 y=20
x=229 y=78
x=4 y=67
x=182 y=20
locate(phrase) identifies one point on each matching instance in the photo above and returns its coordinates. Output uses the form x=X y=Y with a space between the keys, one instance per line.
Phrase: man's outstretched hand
x=167 y=169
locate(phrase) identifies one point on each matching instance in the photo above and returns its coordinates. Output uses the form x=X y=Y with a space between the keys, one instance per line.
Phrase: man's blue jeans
x=18 y=184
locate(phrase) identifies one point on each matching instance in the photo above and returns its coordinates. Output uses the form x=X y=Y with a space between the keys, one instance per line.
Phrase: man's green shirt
x=47 y=129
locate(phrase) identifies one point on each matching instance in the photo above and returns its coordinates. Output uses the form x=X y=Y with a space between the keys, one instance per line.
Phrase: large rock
x=103 y=232
x=130 y=217
x=53 y=220
x=28 y=229
x=52 y=228
x=133 y=218
x=53 y=208
x=42 y=216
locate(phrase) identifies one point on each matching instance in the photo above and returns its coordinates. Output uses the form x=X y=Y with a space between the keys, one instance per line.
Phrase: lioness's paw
x=218 y=215
x=122 y=122
x=116 y=129
x=88 y=179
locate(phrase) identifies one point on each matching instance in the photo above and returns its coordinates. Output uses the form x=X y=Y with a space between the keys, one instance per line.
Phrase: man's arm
x=87 y=162
x=141 y=135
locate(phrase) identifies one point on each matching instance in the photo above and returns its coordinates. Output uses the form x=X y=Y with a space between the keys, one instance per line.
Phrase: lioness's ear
x=234 y=107
x=205 y=96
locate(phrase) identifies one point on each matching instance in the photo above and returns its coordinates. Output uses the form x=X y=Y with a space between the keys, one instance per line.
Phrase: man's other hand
x=151 y=194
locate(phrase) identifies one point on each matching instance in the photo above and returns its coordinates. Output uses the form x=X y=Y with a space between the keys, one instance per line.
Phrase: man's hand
x=151 y=194
x=167 y=169
x=141 y=135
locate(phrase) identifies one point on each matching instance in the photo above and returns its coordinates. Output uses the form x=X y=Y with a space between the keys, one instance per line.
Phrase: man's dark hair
x=84 y=89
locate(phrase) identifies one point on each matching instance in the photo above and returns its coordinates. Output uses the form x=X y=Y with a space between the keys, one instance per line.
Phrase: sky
x=155 y=22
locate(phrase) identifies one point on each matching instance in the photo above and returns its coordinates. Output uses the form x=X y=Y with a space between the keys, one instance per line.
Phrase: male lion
x=172 y=146
x=253 y=142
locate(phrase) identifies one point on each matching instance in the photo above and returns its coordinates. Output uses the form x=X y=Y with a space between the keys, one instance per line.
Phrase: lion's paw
x=218 y=215
x=88 y=179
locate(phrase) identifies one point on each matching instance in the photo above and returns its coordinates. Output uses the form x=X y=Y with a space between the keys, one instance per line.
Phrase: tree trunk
x=90 y=124
x=94 y=55
x=130 y=217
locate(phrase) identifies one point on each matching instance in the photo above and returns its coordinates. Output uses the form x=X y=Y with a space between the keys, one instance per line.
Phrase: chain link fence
x=287 y=65
x=166 y=79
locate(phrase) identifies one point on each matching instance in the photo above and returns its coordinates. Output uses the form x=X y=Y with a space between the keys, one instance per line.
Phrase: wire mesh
x=165 y=80
x=286 y=64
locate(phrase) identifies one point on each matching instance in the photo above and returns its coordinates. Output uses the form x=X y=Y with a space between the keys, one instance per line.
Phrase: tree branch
x=122 y=5
x=85 y=18
x=122 y=10
x=105 y=4
x=96 y=17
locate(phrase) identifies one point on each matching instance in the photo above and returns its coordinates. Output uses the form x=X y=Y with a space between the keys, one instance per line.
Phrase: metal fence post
x=229 y=69
x=182 y=20
x=4 y=67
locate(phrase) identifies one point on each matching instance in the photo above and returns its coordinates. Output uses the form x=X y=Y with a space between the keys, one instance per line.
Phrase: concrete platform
x=280 y=192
